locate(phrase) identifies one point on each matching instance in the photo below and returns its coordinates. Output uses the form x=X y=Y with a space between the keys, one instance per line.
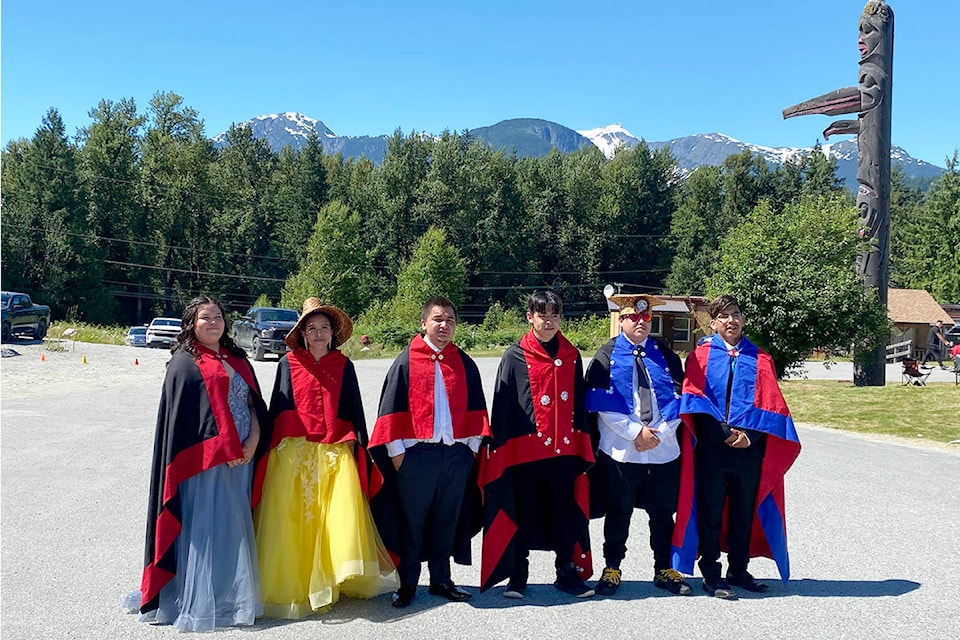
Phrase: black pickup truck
x=262 y=330
x=21 y=316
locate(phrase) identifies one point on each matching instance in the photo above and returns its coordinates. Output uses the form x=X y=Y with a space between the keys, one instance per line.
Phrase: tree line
x=139 y=212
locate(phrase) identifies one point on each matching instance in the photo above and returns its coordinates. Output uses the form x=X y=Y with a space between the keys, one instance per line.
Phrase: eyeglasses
x=736 y=315
x=646 y=316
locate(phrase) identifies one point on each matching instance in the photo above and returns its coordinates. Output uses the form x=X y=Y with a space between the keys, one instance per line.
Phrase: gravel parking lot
x=873 y=527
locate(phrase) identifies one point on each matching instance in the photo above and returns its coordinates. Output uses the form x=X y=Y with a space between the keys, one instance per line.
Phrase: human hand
x=646 y=440
x=397 y=461
x=738 y=439
x=249 y=448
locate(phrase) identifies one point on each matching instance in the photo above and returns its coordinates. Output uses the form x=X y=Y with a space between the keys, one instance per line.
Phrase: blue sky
x=662 y=69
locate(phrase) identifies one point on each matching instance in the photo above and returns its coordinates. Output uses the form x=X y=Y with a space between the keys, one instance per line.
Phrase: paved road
x=873 y=532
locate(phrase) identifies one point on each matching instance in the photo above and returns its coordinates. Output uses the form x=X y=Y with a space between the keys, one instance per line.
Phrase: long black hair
x=186 y=338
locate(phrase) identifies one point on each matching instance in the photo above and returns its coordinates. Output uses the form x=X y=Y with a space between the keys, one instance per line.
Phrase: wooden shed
x=680 y=321
x=913 y=312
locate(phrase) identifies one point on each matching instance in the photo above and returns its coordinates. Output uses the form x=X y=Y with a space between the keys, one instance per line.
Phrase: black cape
x=384 y=500
x=512 y=421
x=188 y=441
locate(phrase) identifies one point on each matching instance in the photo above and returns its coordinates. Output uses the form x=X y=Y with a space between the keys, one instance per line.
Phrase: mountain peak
x=608 y=138
x=531 y=137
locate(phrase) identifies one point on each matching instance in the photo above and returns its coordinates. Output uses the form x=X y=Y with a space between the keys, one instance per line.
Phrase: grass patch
x=928 y=412
x=83 y=332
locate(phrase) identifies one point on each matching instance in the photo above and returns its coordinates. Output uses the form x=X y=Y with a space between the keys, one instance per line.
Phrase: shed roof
x=914 y=306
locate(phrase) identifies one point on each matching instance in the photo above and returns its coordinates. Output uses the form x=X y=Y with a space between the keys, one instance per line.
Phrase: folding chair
x=912 y=375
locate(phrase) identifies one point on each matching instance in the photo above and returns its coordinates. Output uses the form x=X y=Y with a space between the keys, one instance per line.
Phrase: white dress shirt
x=442 y=420
x=618 y=430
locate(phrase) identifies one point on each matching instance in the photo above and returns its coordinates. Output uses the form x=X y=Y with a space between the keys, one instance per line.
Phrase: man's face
x=636 y=326
x=439 y=326
x=729 y=324
x=545 y=325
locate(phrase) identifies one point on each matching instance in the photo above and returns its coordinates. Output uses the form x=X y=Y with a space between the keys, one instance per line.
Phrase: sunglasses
x=646 y=316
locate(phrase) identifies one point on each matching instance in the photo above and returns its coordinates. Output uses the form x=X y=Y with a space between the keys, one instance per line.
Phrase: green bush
x=588 y=333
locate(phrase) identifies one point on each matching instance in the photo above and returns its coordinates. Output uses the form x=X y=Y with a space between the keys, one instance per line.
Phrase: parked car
x=953 y=333
x=162 y=332
x=136 y=336
x=262 y=330
x=21 y=316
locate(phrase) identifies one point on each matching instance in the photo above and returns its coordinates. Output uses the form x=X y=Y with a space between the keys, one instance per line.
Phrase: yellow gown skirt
x=315 y=535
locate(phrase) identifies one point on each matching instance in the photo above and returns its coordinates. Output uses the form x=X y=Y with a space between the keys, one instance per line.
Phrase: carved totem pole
x=871 y=100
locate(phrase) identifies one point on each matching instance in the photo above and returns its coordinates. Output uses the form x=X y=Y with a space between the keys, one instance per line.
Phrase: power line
x=193 y=272
x=151 y=244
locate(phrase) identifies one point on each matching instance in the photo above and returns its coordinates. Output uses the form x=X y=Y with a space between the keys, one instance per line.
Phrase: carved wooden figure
x=871 y=100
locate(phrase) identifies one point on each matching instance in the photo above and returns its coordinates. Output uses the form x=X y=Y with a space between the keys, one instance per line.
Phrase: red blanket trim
x=768 y=395
x=392 y=426
x=417 y=421
x=316 y=395
x=583 y=560
x=695 y=372
x=423 y=361
x=530 y=448
x=551 y=382
x=496 y=540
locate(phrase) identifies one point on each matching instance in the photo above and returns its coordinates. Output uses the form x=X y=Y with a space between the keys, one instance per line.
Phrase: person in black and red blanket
x=431 y=422
x=316 y=536
x=742 y=439
x=533 y=475
x=200 y=557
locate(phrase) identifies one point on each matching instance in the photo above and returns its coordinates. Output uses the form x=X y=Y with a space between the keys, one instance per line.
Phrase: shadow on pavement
x=347 y=610
x=848 y=588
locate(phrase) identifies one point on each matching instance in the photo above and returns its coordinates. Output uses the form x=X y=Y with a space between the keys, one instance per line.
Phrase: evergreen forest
x=139 y=212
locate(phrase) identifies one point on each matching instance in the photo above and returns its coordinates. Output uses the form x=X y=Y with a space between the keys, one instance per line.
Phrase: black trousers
x=934 y=352
x=548 y=515
x=725 y=476
x=431 y=483
x=627 y=486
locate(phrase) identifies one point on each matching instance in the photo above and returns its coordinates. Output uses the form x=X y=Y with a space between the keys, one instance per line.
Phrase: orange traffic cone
x=43 y=357
x=84 y=359
x=136 y=361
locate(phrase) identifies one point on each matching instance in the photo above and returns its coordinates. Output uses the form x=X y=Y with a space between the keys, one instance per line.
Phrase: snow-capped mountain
x=294 y=129
x=282 y=128
x=713 y=148
x=532 y=137
x=608 y=138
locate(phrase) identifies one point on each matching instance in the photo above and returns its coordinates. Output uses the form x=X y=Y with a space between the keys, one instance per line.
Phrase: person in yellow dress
x=315 y=535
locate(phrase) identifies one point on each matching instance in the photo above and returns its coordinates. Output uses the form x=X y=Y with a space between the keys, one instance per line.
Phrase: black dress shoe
x=746 y=581
x=719 y=589
x=449 y=591
x=403 y=596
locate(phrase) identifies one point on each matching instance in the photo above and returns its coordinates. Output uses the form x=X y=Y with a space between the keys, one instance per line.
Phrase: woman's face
x=208 y=326
x=318 y=332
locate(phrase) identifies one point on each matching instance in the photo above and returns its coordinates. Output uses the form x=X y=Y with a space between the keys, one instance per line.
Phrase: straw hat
x=342 y=324
x=635 y=302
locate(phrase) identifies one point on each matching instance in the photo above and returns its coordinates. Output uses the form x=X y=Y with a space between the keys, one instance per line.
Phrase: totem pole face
x=875 y=19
